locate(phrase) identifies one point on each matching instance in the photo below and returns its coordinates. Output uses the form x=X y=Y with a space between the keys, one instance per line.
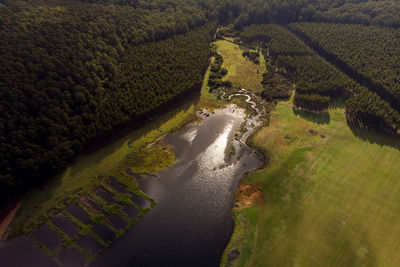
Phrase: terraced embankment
x=81 y=232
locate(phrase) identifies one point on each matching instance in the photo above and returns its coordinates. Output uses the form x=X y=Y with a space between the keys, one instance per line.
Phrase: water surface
x=192 y=221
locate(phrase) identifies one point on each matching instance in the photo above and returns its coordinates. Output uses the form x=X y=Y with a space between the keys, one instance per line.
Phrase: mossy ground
x=150 y=159
x=330 y=201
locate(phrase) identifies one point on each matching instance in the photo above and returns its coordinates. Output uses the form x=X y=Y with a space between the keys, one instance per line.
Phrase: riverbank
x=7 y=218
x=192 y=222
x=204 y=177
x=195 y=196
x=42 y=203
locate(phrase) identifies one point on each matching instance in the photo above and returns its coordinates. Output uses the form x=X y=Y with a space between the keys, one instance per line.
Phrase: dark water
x=192 y=221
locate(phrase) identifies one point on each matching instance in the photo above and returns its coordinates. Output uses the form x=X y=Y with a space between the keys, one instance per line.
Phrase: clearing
x=241 y=71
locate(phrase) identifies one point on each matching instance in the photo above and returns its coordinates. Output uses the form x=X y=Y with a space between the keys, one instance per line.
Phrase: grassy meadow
x=241 y=71
x=328 y=201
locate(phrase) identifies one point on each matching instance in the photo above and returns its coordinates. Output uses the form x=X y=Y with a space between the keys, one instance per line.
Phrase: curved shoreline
x=195 y=197
x=7 y=218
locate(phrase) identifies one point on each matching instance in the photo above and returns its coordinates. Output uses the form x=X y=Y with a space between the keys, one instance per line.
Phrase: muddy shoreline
x=7 y=217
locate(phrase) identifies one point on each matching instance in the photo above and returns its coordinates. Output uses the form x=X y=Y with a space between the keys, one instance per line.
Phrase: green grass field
x=331 y=201
x=241 y=71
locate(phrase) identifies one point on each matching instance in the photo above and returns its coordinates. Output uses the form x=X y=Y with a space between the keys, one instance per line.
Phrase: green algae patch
x=151 y=159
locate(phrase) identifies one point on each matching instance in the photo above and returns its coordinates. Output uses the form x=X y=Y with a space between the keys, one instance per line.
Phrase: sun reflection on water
x=213 y=157
x=190 y=135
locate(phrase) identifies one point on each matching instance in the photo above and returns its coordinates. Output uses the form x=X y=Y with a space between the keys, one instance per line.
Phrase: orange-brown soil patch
x=7 y=219
x=247 y=195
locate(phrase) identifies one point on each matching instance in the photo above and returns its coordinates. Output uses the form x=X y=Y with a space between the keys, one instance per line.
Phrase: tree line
x=252 y=56
x=71 y=73
x=367 y=12
x=366 y=109
x=217 y=73
x=317 y=81
x=275 y=84
x=370 y=54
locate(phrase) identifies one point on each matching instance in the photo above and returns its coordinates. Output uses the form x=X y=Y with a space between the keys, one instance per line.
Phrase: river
x=192 y=222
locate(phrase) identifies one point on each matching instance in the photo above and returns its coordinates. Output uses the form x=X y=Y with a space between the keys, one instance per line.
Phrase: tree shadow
x=134 y=131
x=337 y=103
x=373 y=136
x=319 y=118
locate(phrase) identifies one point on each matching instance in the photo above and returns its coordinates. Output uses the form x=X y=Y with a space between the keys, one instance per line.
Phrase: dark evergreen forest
x=73 y=72
x=367 y=12
x=316 y=80
x=318 y=83
x=370 y=53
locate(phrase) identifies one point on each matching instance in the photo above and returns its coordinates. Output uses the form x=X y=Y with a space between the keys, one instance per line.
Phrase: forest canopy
x=371 y=53
x=318 y=82
x=71 y=73
x=368 y=12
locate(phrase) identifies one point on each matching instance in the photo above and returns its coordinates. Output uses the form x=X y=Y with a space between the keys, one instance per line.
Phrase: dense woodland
x=371 y=53
x=368 y=12
x=90 y=21
x=275 y=85
x=314 y=78
x=71 y=73
x=217 y=72
x=318 y=82
x=252 y=56
x=366 y=109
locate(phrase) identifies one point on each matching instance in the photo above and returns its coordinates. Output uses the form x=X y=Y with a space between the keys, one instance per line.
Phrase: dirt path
x=7 y=219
